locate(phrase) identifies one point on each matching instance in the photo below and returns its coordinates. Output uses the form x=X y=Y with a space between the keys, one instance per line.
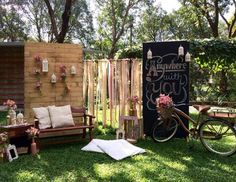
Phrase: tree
x=35 y=14
x=187 y=23
x=60 y=33
x=114 y=20
x=12 y=28
x=211 y=10
x=153 y=24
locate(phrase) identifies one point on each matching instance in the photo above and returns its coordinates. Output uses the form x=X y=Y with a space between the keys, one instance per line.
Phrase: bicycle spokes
x=218 y=137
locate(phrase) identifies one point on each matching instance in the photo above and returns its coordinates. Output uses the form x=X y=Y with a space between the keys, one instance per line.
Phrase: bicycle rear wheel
x=164 y=130
x=218 y=137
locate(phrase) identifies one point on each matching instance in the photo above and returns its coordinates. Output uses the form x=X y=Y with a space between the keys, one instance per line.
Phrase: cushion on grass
x=43 y=116
x=92 y=146
x=61 y=116
x=117 y=149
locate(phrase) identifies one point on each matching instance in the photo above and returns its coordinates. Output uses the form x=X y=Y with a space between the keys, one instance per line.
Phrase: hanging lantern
x=149 y=54
x=210 y=81
x=53 y=78
x=45 y=65
x=20 y=118
x=181 y=51
x=73 y=70
x=187 y=57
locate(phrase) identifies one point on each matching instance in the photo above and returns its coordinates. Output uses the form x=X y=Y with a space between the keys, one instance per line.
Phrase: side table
x=18 y=137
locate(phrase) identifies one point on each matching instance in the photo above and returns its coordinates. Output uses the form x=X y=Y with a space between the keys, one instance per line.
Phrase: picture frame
x=11 y=152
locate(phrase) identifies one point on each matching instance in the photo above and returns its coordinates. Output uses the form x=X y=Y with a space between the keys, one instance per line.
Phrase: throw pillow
x=61 y=116
x=43 y=116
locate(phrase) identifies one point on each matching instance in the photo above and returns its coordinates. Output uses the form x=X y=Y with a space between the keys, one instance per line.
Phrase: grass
x=171 y=161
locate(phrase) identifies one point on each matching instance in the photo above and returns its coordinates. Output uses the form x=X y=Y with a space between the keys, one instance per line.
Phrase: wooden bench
x=78 y=115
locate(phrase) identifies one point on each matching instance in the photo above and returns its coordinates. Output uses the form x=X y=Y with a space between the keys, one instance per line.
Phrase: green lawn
x=171 y=161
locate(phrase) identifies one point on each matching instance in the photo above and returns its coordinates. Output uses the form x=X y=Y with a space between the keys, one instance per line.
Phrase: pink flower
x=32 y=131
x=63 y=68
x=164 y=101
x=10 y=104
x=37 y=59
x=38 y=84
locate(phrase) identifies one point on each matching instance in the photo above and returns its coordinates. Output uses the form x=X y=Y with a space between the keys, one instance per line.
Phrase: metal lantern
x=187 y=57
x=45 y=65
x=20 y=118
x=53 y=78
x=181 y=50
x=149 y=54
x=73 y=70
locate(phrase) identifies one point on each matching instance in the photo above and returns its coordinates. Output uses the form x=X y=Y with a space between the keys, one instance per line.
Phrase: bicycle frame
x=178 y=113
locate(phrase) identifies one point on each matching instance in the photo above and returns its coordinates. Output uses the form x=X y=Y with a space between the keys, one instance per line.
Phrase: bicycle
x=216 y=133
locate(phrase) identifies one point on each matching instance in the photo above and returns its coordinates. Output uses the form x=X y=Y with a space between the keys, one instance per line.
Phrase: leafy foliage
x=129 y=52
x=215 y=54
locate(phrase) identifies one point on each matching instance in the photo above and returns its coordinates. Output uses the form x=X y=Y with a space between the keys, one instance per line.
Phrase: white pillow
x=92 y=146
x=61 y=116
x=120 y=149
x=117 y=149
x=43 y=116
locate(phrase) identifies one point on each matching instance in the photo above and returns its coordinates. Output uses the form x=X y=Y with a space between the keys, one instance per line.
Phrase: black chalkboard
x=165 y=73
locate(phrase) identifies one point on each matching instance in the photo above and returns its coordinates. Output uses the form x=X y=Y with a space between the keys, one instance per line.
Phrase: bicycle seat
x=202 y=108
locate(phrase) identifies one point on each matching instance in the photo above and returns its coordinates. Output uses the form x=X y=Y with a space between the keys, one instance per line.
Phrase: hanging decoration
x=37 y=72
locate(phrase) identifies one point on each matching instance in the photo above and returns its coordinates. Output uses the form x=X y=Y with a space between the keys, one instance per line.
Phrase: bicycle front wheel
x=218 y=137
x=164 y=130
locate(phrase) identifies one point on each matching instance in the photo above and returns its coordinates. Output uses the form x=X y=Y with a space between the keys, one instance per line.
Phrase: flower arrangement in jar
x=32 y=132
x=11 y=106
x=133 y=101
x=4 y=138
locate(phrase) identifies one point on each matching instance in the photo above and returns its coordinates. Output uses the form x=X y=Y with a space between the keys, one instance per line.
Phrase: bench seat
x=77 y=130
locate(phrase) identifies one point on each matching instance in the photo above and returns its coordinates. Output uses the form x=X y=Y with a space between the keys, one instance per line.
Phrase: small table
x=18 y=136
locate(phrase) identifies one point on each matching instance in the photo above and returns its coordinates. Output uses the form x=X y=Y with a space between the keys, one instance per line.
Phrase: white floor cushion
x=117 y=149
x=92 y=146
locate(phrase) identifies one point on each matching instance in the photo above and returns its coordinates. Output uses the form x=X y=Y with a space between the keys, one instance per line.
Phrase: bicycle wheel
x=218 y=137
x=164 y=130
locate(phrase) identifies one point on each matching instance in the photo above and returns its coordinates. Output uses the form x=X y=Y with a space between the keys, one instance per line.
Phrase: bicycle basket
x=165 y=113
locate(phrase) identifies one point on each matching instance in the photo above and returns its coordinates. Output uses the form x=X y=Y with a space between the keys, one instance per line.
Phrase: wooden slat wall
x=12 y=74
x=56 y=54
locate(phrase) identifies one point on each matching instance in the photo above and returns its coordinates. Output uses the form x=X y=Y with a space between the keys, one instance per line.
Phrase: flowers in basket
x=32 y=132
x=164 y=106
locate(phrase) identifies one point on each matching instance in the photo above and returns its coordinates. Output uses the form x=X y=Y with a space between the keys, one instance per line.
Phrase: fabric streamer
x=104 y=91
x=91 y=87
x=85 y=85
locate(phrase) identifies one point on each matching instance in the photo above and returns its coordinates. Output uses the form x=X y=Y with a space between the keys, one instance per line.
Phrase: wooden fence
x=108 y=84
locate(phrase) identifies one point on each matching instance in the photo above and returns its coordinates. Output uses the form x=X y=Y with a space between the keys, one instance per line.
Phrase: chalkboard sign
x=165 y=72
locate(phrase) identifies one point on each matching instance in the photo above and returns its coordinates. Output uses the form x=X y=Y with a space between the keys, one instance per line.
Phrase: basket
x=165 y=113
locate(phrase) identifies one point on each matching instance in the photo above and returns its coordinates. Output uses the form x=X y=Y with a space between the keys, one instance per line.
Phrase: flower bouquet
x=164 y=106
x=11 y=106
x=32 y=132
x=133 y=101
